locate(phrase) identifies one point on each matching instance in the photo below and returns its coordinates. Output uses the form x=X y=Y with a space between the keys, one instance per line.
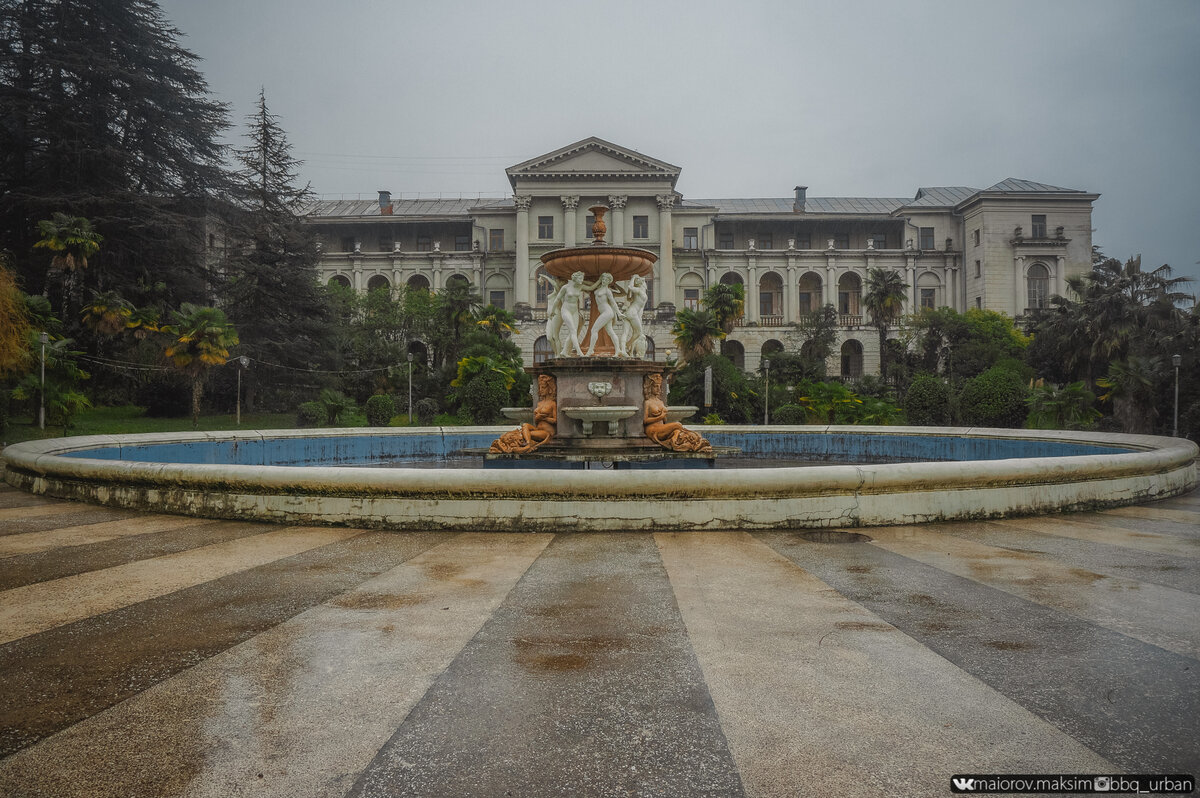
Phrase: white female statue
x=553 y=313
x=570 y=296
x=606 y=303
x=638 y=293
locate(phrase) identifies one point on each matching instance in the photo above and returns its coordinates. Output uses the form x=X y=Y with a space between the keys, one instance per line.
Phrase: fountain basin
x=621 y=262
x=607 y=415
x=306 y=476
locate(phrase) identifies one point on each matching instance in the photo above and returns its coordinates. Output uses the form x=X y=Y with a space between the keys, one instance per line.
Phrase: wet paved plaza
x=153 y=655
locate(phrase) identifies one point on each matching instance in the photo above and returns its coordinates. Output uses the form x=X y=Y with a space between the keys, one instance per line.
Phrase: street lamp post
x=767 y=392
x=44 y=338
x=1175 y=361
x=410 y=359
x=243 y=362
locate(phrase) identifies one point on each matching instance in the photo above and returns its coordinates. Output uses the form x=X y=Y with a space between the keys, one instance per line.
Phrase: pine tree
x=103 y=115
x=273 y=297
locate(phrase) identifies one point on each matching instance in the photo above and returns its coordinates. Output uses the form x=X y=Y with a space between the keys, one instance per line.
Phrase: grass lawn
x=130 y=419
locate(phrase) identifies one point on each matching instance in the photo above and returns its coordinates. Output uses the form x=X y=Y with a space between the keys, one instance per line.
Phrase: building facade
x=1006 y=248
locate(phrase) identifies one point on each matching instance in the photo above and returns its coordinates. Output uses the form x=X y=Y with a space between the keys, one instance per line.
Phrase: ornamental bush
x=310 y=414
x=425 y=410
x=380 y=409
x=927 y=402
x=789 y=414
x=996 y=398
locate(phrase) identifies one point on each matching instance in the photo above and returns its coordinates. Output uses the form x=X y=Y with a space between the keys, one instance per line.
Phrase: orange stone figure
x=668 y=434
x=528 y=437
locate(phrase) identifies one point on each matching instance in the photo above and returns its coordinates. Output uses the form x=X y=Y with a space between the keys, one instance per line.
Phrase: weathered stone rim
x=1146 y=467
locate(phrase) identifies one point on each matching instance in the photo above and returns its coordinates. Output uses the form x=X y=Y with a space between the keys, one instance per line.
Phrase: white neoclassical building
x=1008 y=247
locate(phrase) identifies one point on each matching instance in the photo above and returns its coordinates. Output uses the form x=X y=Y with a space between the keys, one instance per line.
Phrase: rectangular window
x=691 y=238
x=926 y=238
x=462 y=243
x=691 y=298
x=844 y=303
x=496 y=298
x=841 y=241
x=424 y=244
x=347 y=243
x=385 y=240
x=1038 y=223
x=725 y=240
x=587 y=226
x=641 y=227
x=766 y=303
x=765 y=242
x=928 y=297
x=545 y=227
x=803 y=241
x=975 y=236
x=879 y=240
x=978 y=268
x=496 y=239
x=978 y=303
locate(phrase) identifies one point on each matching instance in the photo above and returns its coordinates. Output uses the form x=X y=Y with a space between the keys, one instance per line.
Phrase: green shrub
x=714 y=418
x=996 y=398
x=927 y=402
x=310 y=414
x=380 y=409
x=336 y=405
x=449 y=420
x=425 y=410
x=789 y=414
x=484 y=395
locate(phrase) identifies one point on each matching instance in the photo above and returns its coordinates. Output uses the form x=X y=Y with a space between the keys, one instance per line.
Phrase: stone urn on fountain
x=606 y=400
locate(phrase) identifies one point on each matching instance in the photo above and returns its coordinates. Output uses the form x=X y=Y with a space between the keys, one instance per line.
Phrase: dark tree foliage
x=996 y=398
x=927 y=402
x=103 y=115
x=283 y=316
x=733 y=397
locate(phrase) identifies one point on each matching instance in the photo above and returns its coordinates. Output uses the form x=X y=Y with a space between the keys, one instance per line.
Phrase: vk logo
x=964 y=784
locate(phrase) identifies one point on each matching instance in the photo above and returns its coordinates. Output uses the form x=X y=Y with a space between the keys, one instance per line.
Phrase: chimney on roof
x=801 y=196
x=385 y=203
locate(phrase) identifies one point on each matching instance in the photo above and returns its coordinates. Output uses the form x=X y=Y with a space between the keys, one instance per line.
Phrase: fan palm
x=695 y=331
x=200 y=339
x=727 y=303
x=886 y=292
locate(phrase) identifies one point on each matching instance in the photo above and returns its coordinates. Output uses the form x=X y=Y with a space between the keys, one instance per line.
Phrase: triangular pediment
x=593 y=158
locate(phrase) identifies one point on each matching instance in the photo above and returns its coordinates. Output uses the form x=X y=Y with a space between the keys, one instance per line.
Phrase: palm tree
x=497 y=321
x=201 y=338
x=695 y=331
x=458 y=300
x=886 y=292
x=108 y=313
x=727 y=302
x=72 y=240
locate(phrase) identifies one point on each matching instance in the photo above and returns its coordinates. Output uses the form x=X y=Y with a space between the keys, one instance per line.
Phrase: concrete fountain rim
x=1145 y=467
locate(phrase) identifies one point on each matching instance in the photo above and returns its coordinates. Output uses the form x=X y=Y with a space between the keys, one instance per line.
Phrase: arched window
x=770 y=347
x=340 y=279
x=542 y=288
x=852 y=359
x=420 y=353
x=770 y=299
x=692 y=287
x=929 y=292
x=850 y=295
x=541 y=350
x=732 y=278
x=810 y=293
x=1037 y=280
x=649 y=348
x=419 y=281
x=735 y=352
x=378 y=283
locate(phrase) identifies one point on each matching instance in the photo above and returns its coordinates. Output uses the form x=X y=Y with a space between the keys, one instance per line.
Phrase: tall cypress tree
x=103 y=115
x=282 y=314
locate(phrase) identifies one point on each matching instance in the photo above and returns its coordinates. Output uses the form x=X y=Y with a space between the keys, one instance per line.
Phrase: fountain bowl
x=594 y=260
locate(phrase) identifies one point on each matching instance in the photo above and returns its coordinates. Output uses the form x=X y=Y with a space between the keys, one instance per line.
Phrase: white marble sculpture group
x=625 y=300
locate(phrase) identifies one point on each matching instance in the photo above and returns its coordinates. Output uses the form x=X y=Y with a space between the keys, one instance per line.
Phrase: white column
x=521 y=277
x=616 y=226
x=666 y=251
x=569 y=221
x=1019 y=287
x=751 y=289
x=1060 y=275
x=791 y=294
x=911 y=278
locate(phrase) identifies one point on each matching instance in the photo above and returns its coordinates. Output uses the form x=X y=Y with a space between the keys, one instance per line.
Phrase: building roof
x=940 y=196
x=1015 y=184
x=812 y=205
x=400 y=207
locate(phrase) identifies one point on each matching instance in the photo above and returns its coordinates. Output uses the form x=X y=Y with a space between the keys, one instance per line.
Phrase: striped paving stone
x=210 y=659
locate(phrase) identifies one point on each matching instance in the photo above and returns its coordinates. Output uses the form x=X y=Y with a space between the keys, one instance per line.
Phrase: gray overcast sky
x=852 y=98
